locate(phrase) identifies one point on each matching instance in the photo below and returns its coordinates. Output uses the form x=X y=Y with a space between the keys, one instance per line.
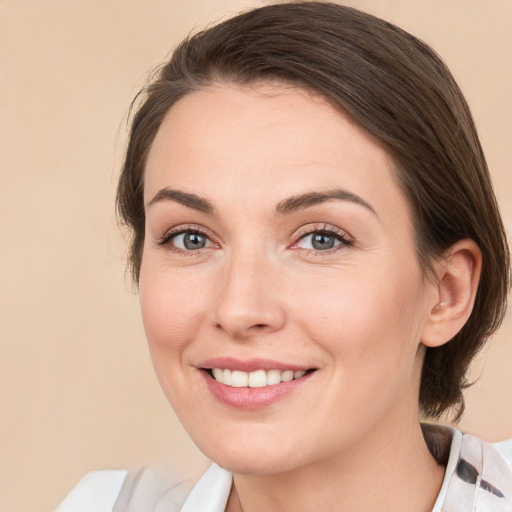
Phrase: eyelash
x=324 y=229
x=166 y=239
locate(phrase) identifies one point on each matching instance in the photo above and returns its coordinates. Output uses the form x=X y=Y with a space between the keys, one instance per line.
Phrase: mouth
x=253 y=384
x=255 y=379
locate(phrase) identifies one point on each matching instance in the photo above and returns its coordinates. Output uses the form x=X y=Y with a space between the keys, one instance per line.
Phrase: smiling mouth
x=255 y=379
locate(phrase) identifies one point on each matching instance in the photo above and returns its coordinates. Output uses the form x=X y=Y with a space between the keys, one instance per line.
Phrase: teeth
x=226 y=377
x=273 y=377
x=239 y=379
x=287 y=376
x=256 y=379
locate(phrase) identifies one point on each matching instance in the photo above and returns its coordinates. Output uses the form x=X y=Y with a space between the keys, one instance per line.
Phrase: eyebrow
x=185 y=198
x=285 y=207
x=303 y=201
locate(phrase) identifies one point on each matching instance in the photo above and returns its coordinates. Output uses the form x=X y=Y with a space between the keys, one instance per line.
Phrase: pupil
x=194 y=241
x=323 y=242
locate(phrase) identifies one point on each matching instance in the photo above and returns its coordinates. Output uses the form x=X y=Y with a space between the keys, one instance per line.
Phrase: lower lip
x=252 y=398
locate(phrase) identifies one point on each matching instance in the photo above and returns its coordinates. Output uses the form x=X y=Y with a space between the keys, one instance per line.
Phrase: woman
x=319 y=255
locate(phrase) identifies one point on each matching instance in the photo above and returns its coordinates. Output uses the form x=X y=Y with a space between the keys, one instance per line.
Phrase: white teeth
x=239 y=379
x=287 y=376
x=256 y=379
x=273 y=377
x=226 y=377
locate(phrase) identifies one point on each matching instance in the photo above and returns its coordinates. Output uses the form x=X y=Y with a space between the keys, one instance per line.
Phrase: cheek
x=171 y=311
x=172 y=314
x=365 y=318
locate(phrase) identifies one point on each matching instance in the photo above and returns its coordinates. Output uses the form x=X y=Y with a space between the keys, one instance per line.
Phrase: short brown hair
x=397 y=89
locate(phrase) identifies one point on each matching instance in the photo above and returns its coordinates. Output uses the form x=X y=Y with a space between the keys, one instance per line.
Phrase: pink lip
x=250 y=399
x=250 y=365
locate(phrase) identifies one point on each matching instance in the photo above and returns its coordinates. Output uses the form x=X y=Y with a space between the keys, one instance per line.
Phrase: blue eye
x=186 y=241
x=322 y=240
x=190 y=241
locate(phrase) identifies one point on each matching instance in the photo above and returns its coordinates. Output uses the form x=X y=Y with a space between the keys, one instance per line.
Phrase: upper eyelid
x=186 y=228
x=297 y=235
x=317 y=228
x=346 y=240
x=180 y=229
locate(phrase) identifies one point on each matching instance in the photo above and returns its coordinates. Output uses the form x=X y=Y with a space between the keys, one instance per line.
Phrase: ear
x=451 y=299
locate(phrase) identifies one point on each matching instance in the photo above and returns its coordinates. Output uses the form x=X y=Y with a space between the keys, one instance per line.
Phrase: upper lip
x=249 y=365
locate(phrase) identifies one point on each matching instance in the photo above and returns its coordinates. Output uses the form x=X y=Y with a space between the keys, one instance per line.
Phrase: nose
x=250 y=302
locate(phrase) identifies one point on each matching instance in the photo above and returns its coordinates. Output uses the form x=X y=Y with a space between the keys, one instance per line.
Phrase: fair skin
x=243 y=269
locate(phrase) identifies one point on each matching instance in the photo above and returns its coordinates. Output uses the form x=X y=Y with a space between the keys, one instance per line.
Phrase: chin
x=252 y=464
x=263 y=456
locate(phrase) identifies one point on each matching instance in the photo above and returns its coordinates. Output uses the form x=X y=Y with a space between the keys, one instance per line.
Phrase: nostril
x=242 y=320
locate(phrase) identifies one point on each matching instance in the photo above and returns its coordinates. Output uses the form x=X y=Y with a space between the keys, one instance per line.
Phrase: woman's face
x=277 y=243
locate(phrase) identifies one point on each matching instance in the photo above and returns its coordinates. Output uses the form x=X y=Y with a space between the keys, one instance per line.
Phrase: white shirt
x=478 y=478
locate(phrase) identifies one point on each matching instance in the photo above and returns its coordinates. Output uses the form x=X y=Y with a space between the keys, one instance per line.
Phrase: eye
x=190 y=241
x=318 y=242
x=323 y=240
x=186 y=240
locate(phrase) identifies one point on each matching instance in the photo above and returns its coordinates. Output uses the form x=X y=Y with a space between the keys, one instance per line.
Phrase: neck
x=389 y=469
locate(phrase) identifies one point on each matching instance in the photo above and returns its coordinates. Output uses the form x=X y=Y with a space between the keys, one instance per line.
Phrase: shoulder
x=97 y=491
x=482 y=476
x=504 y=448
x=139 y=490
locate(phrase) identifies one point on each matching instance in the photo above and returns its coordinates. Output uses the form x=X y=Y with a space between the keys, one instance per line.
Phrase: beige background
x=77 y=390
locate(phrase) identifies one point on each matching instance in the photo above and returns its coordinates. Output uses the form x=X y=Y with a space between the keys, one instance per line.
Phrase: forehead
x=265 y=142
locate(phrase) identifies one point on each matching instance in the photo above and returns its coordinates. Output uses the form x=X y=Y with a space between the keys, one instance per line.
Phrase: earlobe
x=453 y=295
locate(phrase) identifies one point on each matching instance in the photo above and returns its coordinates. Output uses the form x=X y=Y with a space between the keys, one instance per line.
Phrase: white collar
x=211 y=493
x=451 y=466
x=457 y=494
